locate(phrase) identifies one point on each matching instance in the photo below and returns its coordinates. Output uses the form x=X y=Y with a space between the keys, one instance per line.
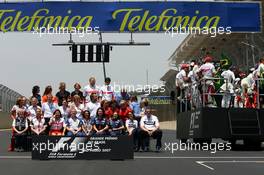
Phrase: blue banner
x=131 y=16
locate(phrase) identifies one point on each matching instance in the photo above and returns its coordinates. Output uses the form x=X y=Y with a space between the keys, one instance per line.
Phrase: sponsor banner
x=55 y=147
x=157 y=100
x=130 y=16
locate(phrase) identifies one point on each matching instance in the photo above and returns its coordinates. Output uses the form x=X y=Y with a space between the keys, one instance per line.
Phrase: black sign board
x=90 y=148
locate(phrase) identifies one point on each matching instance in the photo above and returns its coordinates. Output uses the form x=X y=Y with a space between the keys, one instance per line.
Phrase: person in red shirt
x=57 y=124
x=48 y=90
x=124 y=110
x=108 y=109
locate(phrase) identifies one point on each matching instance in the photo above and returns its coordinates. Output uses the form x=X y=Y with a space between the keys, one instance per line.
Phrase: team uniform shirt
x=207 y=70
x=193 y=76
x=48 y=109
x=87 y=126
x=57 y=125
x=92 y=108
x=229 y=76
x=248 y=82
x=16 y=108
x=107 y=92
x=179 y=78
x=38 y=124
x=135 y=106
x=149 y=123
x=123 y=113
x=116 y=123
x=131 y=124
x=65 y=112
x=100 y=123
x=74 y=124
x=20 y=123
x=88 y=90
x=32 y=110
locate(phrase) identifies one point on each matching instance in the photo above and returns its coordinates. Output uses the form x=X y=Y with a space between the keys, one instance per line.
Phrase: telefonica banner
x=131 y=16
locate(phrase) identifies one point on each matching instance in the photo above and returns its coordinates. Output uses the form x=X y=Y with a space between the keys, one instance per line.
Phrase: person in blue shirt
x=100 y=123
x=135 y=106
x=123 y=95
x=116 y=125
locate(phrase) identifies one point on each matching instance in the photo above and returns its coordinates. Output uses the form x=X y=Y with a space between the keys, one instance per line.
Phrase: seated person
x=37 y=125
x=116 y=125
x=20 y=127
x=149 y=125
x=133 y=130
x=100 y=123
x=74 y=125
x=57 y=124
x=86 y=123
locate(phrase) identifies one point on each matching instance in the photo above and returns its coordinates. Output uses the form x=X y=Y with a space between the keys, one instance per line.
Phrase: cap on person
x=208 y=59
x=183 y=66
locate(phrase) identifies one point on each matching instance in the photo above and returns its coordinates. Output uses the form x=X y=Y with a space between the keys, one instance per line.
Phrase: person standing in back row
x=91 y=88
x=107 y=91
x=62 y=94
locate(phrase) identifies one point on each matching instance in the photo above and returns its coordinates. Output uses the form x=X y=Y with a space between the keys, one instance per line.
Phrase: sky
x=28 y=59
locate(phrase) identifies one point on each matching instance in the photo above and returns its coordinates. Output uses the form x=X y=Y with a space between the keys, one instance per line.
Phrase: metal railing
x=194 y=98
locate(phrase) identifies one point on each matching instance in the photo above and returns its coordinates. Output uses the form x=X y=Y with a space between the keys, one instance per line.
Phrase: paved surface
x=165 y=162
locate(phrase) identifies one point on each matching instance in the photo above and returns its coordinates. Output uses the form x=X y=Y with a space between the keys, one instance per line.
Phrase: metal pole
x=101 y=40
x=247 y=55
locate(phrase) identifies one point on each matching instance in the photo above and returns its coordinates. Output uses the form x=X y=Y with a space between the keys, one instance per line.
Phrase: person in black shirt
x=77 y=91
x=62 y=94
x=35 y=93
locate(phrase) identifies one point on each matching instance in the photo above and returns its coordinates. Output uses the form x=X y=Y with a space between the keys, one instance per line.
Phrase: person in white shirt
x=133 y=130
x=33 y=108
x=107 y=91
x=149 y=125
x=93 y=105
x=65 y=109
x=77 y=105
x=227 y=88
x=207 y=72
x=260 y=74
x=48 y=108
x=37 y=125
x=182 y=81
x=87 y=123
x=195 y=94
x=74 y=125
x=90 y=89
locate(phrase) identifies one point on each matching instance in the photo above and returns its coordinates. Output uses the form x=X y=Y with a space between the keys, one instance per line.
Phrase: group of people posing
x=92 y=112
x=219 y=84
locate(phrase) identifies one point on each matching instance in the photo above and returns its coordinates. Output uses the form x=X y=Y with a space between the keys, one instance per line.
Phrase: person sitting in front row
x=149 y=125
x=116 y=125
x=38 y=125
x=86 y=123
x=133 y=130
x=74 y=125
x=57 y=124
x=100 y=123
x=20 y=127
